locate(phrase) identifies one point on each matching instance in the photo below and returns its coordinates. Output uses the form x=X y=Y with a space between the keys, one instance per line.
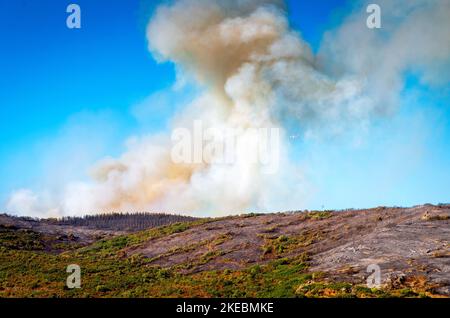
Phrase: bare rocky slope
x=411 y=242
x=410 y=245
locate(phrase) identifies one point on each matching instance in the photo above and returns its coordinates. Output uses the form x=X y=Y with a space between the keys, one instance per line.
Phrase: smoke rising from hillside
x=257 y=72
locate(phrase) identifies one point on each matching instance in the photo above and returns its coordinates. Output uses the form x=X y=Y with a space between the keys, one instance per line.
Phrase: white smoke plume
x=415 y=38
x=258 y=72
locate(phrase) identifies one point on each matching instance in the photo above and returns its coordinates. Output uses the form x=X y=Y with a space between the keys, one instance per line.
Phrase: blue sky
x=75 y=94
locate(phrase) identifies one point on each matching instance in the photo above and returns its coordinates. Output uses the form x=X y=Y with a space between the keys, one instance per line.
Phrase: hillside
x=81 y=231
x=293 y=254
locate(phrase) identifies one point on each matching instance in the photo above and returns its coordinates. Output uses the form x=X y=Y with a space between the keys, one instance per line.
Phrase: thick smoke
x=258 y=73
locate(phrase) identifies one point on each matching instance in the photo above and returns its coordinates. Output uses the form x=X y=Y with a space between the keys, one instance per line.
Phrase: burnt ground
x=406 y=243
x=90 y=228
x=51 y=237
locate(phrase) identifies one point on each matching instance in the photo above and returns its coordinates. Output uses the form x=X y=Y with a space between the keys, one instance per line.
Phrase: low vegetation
x=26 y=270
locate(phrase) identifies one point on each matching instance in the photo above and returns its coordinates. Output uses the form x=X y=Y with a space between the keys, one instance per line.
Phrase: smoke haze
x=257 y=72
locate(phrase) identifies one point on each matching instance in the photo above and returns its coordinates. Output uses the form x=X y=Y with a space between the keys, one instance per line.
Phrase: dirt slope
x=410 y=245
x=412 y=242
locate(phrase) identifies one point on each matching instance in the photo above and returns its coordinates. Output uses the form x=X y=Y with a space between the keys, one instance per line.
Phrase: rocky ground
x=412 y=242
x=410 y=245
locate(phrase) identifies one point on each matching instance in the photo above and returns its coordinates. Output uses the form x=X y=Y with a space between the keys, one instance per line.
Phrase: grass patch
x=319 y=215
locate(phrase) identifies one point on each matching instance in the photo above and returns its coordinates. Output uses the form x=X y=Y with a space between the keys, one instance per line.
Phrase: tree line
x=121 y=221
